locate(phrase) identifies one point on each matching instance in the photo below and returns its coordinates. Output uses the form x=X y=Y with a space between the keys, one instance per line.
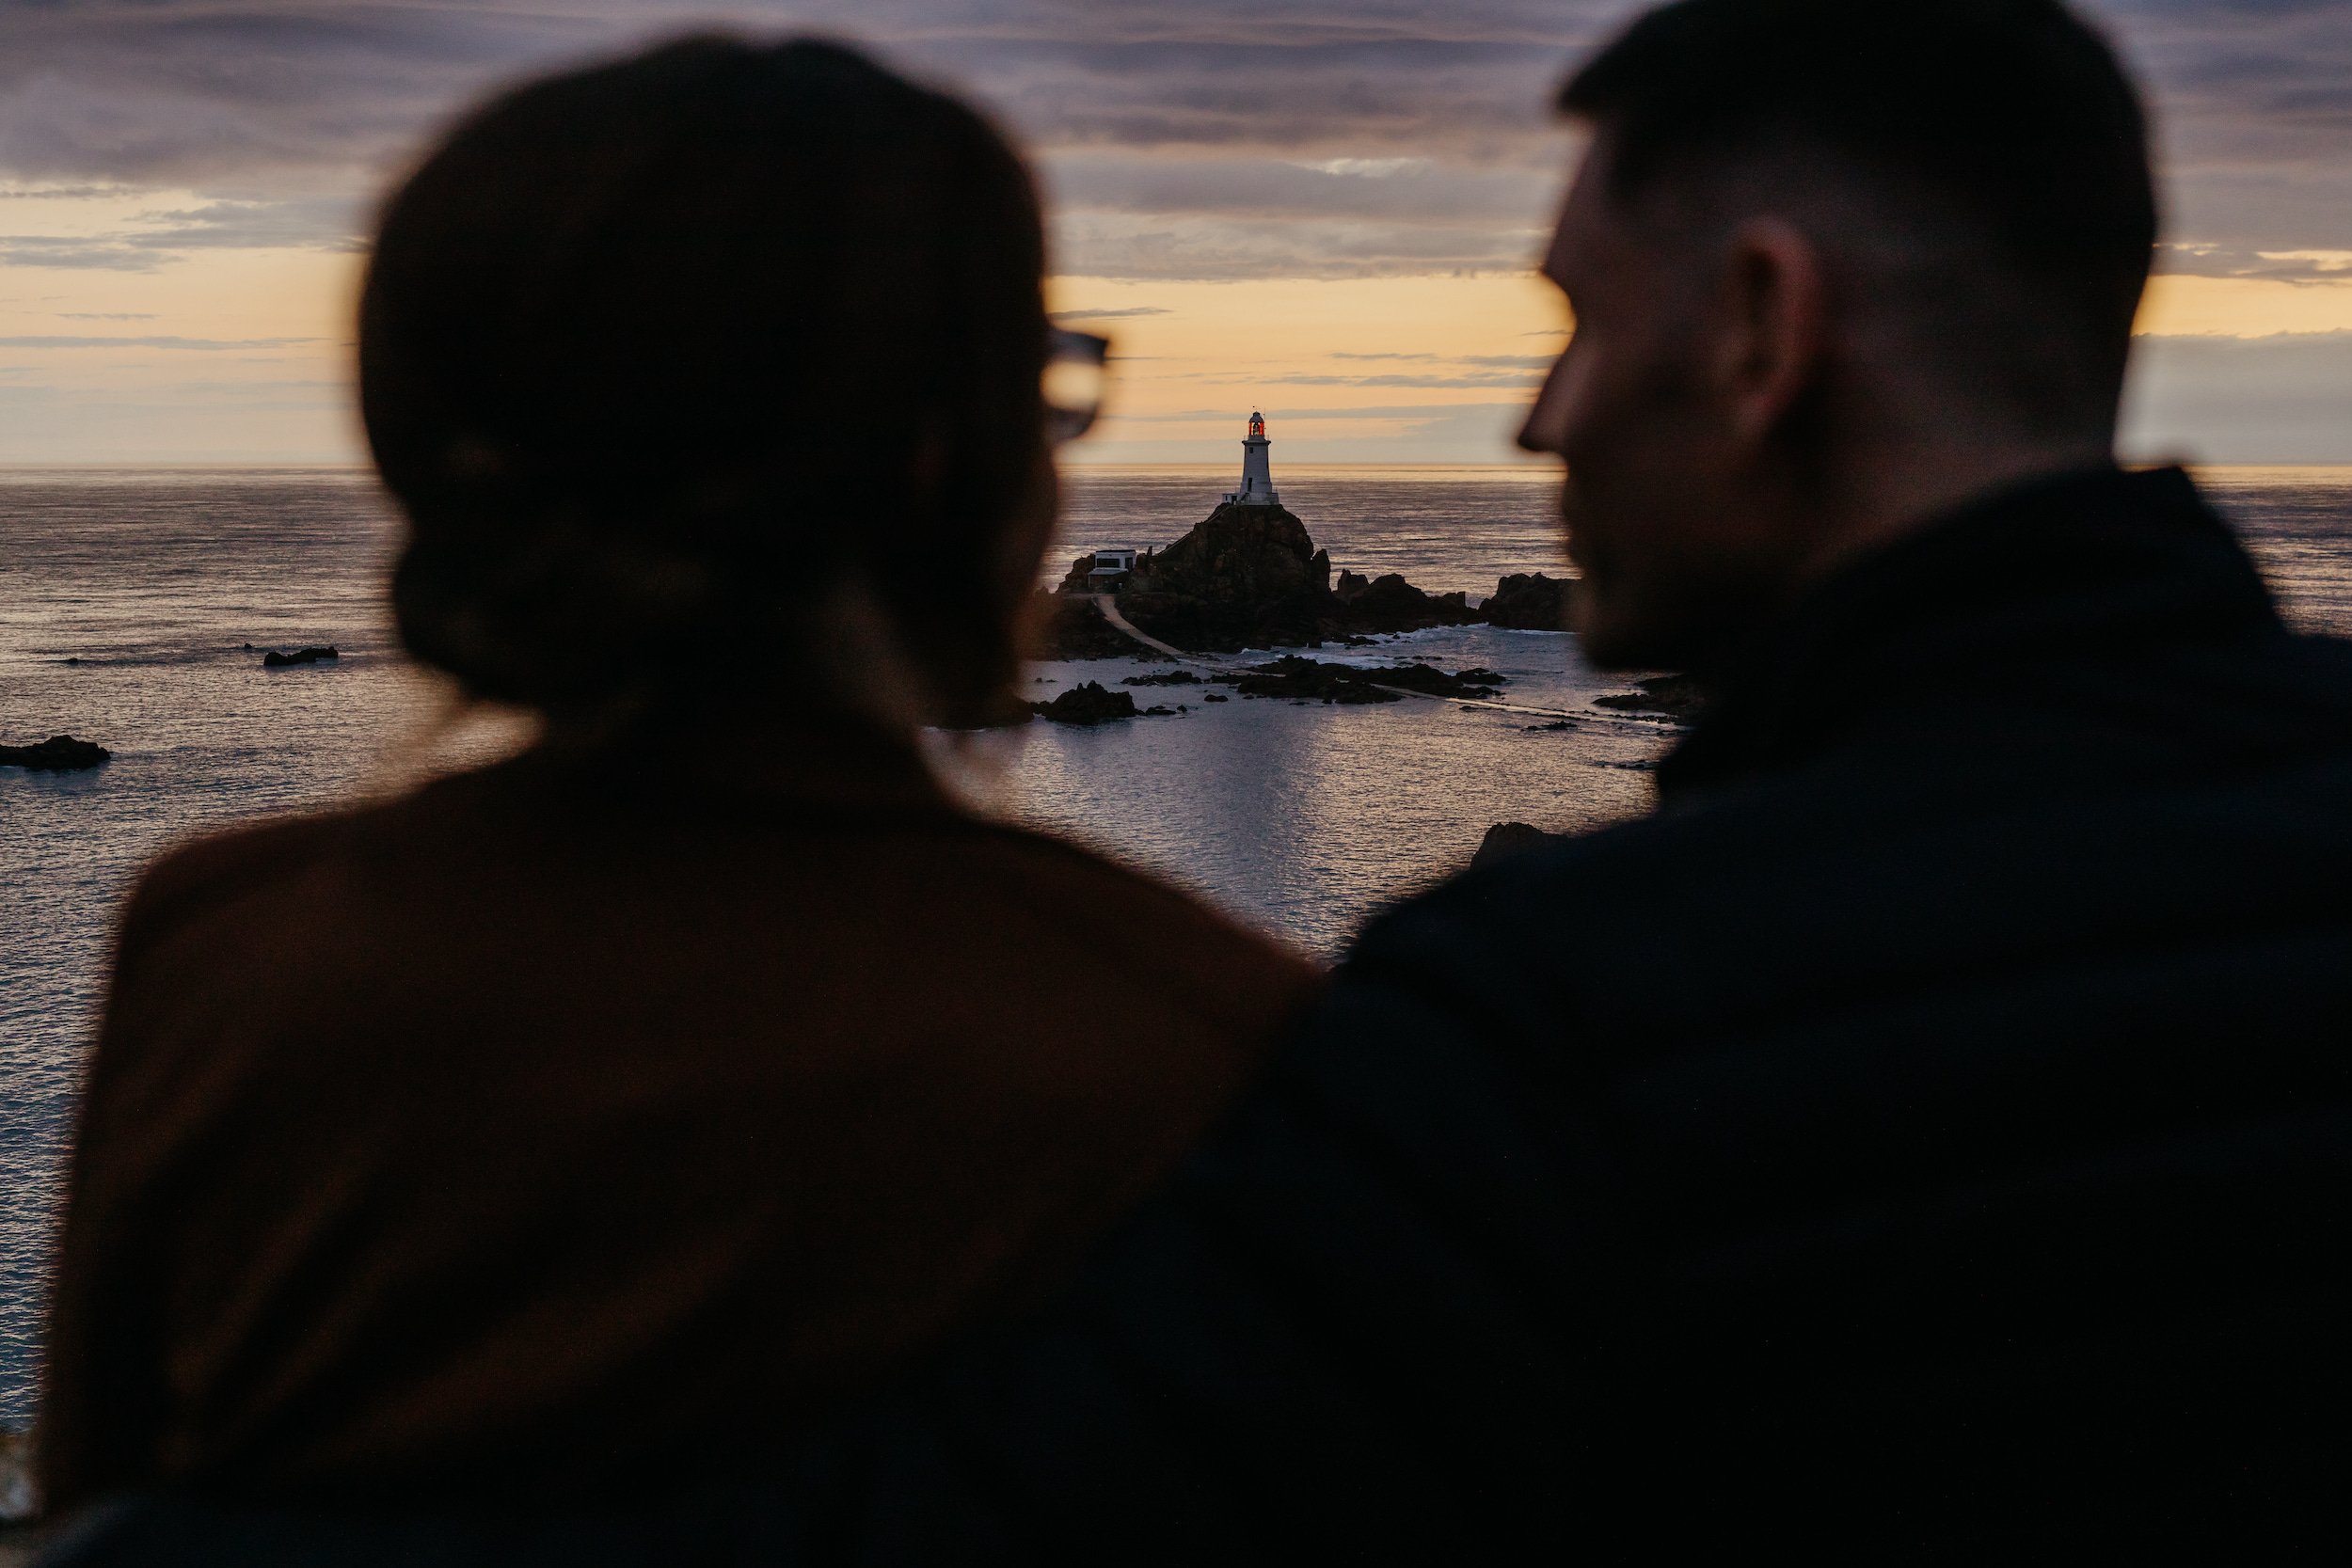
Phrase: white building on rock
x=1257 y=475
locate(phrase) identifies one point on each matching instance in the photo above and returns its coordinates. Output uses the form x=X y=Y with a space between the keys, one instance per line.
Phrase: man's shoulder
x=1839 y=868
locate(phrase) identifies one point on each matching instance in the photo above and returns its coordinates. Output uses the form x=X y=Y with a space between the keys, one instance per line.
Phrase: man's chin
x=1613 y=639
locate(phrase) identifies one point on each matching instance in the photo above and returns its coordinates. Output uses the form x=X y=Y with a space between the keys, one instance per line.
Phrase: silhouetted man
x=1926 y=1137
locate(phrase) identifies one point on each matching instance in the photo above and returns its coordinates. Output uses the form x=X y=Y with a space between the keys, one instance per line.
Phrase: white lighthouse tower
x=1257 y=477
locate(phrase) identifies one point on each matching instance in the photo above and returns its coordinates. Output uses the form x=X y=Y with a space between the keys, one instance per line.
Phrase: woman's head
x=665 y=356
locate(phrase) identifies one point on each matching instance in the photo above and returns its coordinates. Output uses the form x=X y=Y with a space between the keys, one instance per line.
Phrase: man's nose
x=1540 y=432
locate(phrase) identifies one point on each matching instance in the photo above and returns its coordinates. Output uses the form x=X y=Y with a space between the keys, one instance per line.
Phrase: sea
x=136 y=606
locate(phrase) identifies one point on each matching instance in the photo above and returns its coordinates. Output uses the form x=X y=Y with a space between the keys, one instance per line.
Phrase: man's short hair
x=2012 y=114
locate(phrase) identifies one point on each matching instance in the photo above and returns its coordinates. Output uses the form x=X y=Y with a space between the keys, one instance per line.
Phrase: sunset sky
x=1326 y=211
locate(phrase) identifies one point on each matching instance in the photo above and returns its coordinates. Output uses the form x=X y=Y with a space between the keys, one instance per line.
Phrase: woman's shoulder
x=251 y=860
x=200 y=874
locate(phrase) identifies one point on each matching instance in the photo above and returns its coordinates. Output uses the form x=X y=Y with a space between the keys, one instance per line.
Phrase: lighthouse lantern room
x=1257 y=475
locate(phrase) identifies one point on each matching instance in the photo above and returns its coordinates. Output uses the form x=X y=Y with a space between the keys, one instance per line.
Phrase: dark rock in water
x=1090 y=703
x=1389 y=604
x=1214 y=697
x=1158 y=711
x=1506 y=839
x=275 y=660
x=1004 y=711
x=1312 y=679
x=1247 y=555
x=60 y=753
x=1075 y=629
x=1166 y=677
x=1430 y=681
x=1250 y=576
x=1677 y=697
x=1528 y=602
x=1309 y=679
x=1244 y=576
x=1555 y=724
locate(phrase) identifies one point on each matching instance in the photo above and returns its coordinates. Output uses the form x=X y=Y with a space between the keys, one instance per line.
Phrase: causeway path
x=1108 y=605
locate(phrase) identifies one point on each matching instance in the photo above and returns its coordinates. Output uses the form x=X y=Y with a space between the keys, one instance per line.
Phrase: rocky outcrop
x=1004 y=710
x=60 y=753
x=1506 y=839
x=1250 y=576
x=1389 y=604
x=1529 y=601
x=1075 y=629
x=1166 y=677
x=1677 y=697
x=275 y=660
x=1312 y=680
x=1090 y=703
x=1244 y=576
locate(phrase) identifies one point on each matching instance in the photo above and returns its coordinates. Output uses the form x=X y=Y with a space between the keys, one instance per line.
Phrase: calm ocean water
x=1301 y=818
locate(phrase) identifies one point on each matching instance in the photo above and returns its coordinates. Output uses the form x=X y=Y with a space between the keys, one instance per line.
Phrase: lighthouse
x=1257 y=478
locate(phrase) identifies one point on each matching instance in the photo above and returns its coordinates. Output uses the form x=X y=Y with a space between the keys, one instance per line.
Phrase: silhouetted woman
x=571 y=1127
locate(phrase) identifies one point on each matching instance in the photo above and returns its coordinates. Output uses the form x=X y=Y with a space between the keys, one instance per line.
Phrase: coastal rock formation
x=1090 y=704
x=1677 y=697
x=1506 y=839
x=1075 y=629
x=275 y=660
x=1166 y=677
x=1004 y=711
x=60 y=753
x=1389 y=604
x=1244 y=576
x=1528 y=602
x=1312 y=680
x=1251 y=576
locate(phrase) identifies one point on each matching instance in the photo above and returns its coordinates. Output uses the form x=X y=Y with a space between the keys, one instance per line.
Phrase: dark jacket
x=1928 y=1137
x=565 y=1124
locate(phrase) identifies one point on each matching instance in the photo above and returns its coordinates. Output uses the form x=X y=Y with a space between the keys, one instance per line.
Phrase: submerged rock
x=1090 y=703
x=275 y=660
x=1314 y=680
x=1430 y=681
x=1506 y=839
x=60 y=753
x=1166 y=677
x=1529 y=601
x=1677 y=697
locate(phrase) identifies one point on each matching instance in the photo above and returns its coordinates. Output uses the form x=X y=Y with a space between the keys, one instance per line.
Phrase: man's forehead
x=1588 y=216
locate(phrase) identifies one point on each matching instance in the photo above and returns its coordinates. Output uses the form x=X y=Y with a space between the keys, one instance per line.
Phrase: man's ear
x=1776 y=323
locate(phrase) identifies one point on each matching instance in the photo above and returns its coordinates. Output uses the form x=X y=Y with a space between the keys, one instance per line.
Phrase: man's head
x=1834 y=265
